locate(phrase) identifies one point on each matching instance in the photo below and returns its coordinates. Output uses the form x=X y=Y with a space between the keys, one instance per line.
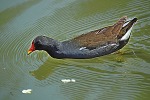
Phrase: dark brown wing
x=101 y=36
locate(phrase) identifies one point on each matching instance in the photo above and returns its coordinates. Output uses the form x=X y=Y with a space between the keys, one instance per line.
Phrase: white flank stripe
x=125 y=24
x=127 y=35
x=82 y=48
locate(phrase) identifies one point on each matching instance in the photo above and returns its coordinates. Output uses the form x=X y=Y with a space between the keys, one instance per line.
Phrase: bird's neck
x=51 y=46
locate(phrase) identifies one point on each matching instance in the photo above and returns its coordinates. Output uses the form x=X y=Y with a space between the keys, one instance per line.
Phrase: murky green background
x=123 y=76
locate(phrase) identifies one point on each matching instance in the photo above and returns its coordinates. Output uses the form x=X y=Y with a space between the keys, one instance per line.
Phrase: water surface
x=123 y=76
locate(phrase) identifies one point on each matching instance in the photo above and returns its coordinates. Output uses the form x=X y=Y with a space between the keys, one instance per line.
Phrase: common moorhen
x=92 y=44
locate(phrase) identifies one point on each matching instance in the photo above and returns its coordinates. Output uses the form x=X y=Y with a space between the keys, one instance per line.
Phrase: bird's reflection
x=45 y=70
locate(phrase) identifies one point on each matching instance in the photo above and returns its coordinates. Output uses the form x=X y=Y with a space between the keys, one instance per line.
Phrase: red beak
x=32 y=48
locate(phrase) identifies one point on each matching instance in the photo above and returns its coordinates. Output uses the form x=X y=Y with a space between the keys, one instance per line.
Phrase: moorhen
x=92 y=44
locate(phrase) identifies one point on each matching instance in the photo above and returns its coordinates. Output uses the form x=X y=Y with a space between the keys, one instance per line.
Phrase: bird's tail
x=125 y=32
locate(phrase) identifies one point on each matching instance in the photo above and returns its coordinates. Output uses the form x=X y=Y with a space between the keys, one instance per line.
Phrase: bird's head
x=38 y=44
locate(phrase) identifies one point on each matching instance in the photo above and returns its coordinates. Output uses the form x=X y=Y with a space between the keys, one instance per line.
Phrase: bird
x=93 y=44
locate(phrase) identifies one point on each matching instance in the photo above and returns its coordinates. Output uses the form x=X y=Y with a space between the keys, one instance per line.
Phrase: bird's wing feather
x=101 y=36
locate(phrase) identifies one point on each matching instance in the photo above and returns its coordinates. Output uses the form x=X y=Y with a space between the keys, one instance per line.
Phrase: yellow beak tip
x=29 y=52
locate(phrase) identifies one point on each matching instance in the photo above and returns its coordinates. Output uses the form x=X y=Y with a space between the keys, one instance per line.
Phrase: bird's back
x=101 y=36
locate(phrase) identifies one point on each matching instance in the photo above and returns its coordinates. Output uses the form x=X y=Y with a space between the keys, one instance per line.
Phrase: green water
x=113 y=77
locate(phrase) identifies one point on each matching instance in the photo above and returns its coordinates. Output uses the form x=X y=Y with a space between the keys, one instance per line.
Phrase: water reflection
x=46 y=69
x=92 y=81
